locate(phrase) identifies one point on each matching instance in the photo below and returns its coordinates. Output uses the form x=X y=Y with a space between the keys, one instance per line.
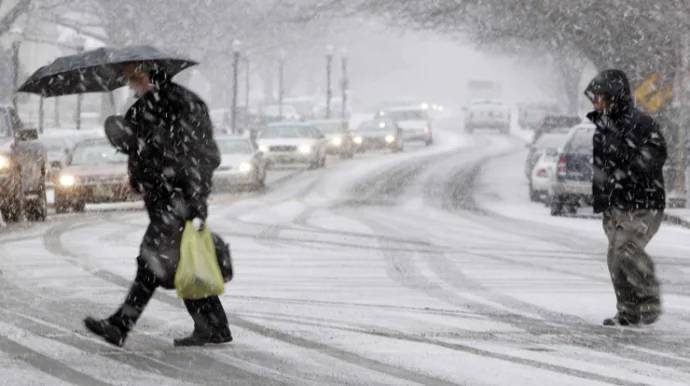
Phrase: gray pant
x=632 y=270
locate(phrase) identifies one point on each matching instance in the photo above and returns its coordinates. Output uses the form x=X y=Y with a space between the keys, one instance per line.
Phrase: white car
x=414 y=121
x=293 y=143
x=543 y=151
x=543 y=176
x=242 y=164
x=488 y=114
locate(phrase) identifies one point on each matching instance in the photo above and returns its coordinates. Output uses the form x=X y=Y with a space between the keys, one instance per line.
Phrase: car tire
x=80 y=207
x=37 y=211
x=61 y=208
x=556 y=206
x=429 y=142
x=534 y=196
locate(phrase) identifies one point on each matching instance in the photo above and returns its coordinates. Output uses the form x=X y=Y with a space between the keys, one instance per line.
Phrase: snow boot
x=202 y=337
x=103 y=328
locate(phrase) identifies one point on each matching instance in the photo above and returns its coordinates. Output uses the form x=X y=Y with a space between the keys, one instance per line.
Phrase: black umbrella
x=98 y=70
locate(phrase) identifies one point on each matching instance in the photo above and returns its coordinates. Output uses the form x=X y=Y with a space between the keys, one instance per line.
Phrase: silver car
x=293 y=143
x=242 y=164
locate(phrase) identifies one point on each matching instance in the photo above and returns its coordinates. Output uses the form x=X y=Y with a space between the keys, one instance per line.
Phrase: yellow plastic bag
x=198 y=274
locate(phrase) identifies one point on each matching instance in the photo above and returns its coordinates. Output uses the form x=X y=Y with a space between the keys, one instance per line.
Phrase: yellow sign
x=651 y=96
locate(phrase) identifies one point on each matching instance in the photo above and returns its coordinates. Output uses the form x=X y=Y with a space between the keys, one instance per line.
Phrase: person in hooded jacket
x=168 y=136
x=628 y=189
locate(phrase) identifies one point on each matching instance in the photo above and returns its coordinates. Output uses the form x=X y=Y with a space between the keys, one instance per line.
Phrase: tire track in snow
x=54 y=245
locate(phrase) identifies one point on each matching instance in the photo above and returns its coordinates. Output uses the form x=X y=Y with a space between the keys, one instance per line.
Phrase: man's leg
x=117 y=326
x=210 y=322
x=632 y=270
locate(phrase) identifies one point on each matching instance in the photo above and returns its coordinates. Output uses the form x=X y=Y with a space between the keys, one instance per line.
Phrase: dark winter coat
x=629 y=150
x=171 y=164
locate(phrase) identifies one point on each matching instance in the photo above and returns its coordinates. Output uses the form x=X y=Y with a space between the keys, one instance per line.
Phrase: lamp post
x=281 y=87
x=235 y=70
x=329 y=91
x=344 y=86
x=80 y=49
x=246 y=82
x=16 y=43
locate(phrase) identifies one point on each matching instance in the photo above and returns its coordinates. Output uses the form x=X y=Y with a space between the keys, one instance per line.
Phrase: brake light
x=562 y=166
x=542 y=173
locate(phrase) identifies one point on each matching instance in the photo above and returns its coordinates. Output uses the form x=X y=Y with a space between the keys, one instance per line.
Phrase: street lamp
x=281 y=87
x=329 y=65
x=80 y=45
x=235 y=70
x=344 y=86
x=16 y=33
x=246 y=82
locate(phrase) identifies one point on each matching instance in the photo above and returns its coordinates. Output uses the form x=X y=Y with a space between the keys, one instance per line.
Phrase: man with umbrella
x=168 y=136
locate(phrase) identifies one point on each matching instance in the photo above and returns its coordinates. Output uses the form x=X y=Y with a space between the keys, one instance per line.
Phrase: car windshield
x=581 y=141
x=97 y=154
x=234 y=146
x=374 y=126
x=54 y=144
x=285 y=132
x=328 y=127
x=408 y=115
x=550 y=141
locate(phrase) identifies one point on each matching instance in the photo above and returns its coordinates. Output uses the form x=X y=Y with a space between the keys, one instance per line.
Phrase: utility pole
x=15 y=72
x=281 y=85
x=80 y=96
x=344 y=85
x=235 y=70
x=329 y=91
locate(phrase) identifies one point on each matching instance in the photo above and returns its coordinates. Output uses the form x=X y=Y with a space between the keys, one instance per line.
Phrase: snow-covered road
x=428 y=267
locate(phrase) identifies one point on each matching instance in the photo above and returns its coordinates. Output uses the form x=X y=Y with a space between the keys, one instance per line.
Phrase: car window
x=234 y=146
x=408 y=115
x=547 y=141
x=581 y=141
x=375 y=126
x=97 y=154
x=285 y=132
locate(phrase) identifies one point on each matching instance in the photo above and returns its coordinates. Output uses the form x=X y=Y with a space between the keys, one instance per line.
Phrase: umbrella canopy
x=98 y=70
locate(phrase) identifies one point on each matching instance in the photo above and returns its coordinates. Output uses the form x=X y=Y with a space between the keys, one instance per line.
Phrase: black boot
x=103 y=328
x=621 y=319
x=202 y=337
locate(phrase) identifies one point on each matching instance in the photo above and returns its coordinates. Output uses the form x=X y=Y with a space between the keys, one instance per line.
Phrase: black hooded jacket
x=175 y=154
x=629 y=150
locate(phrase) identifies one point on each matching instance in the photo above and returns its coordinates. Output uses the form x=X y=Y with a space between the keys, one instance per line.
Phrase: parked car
x=338 y=136
x=94 y=173
x=23 y=170
x=242 y=164
x=572 y=187
x=492 y=114
x=548 y=144
x=414 y=121
x=380 y=133
x=289 y=112
x=293 y=143
x=531 y=115
x=57 y=147
x=554 y=123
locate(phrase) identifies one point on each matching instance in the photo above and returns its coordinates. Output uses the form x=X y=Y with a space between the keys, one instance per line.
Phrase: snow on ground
x=376 y=271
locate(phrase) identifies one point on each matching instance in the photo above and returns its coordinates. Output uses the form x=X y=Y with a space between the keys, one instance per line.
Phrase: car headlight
x=305 y=149
x=357 y=140
x=426 y=129
x=245 y=167
x=4 y=162
x=263 y=148
x=390 y=138
x=67 y=180
x=337 y=141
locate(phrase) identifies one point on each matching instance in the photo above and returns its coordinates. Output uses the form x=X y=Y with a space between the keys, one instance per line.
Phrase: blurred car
x=414 y=121
x=572 y=187
x=58 y=148
x=531 y=115
x=293 y=143
x=380 y=133
x=553 y=123
x=547 y=142
x=488 y=114
x=94 y=173
x=242 y=164
x=339 y=138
